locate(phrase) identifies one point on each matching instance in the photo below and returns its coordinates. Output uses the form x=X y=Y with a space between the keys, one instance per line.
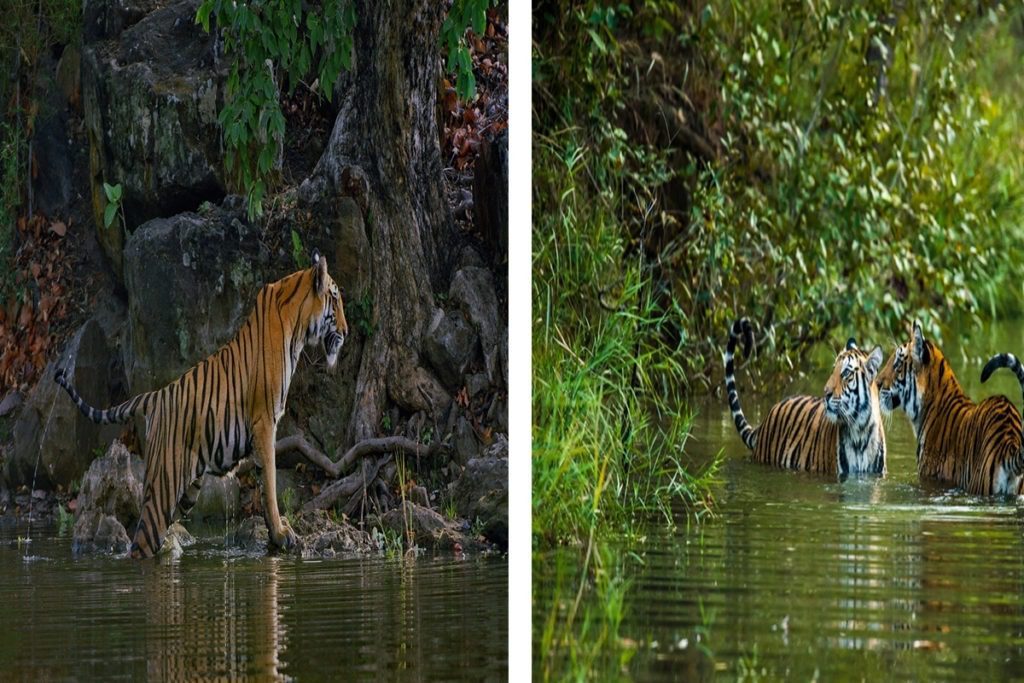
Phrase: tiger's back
x=796 y=434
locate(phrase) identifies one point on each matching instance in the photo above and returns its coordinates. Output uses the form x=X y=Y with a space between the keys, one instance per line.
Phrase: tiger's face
x=328 y=324
x=848 y=391
x=901 y=381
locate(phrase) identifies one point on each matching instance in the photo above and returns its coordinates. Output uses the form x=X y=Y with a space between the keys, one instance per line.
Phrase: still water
x=225 y=615
x=804 y=577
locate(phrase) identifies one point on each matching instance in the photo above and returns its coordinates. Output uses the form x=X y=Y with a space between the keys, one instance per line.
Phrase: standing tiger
x=839 y=433
x=228 y=406
x=976 y=446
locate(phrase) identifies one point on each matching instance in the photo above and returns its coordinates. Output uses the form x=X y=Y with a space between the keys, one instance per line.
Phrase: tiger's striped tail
x=117 y=414
x=1007 y=360
x=741 y=326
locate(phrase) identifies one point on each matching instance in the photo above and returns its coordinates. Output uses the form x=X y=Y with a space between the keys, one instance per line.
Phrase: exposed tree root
x=346 y=489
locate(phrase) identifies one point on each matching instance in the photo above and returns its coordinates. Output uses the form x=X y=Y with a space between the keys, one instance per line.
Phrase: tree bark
x=384 y=152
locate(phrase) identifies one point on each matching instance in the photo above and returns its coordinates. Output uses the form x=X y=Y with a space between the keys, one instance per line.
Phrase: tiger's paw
x=285 y=538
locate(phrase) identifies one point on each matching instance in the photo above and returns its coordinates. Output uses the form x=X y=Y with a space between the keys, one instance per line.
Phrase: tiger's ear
x=874 y=361
x=917 y=344
x=851 y=344
x=320 y=276
x=314 y=256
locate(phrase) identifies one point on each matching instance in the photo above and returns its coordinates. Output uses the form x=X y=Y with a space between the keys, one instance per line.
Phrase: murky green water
x=217 y=614
x=804 y=577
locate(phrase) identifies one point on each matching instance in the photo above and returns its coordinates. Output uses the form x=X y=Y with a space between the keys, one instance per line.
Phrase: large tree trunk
x=384 y=152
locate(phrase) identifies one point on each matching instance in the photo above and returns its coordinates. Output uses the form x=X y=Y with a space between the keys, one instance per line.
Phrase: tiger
x=227 y=407
x=839 y=433
x=973 y=446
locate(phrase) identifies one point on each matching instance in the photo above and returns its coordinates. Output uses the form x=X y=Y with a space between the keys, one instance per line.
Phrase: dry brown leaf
x=59 y=228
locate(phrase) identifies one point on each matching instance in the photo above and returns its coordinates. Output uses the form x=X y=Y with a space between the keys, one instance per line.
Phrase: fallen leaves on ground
x=32 y=300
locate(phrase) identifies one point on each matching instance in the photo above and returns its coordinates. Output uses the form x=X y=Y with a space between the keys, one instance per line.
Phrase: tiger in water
x=975 y=446
x=838 y=433
x=228 y=406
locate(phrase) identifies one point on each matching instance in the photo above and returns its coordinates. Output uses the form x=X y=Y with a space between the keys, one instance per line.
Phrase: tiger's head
x=848 y=392
x=903 y=380
x=327 y=322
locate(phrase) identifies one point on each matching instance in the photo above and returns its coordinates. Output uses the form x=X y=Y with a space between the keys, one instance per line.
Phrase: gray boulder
x=191 y=281
x=481 y=493
x=50 y=430
x=472 y=291
x=109 y=502
x=449 y=346
x=218 y=501
x=423 y=527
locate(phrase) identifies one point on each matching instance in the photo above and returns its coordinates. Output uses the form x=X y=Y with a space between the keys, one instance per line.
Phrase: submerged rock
x=96 y=532
x=109 y=502
x=321 y=536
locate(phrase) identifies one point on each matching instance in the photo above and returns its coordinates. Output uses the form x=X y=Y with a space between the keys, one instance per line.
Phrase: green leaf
x=109 y=214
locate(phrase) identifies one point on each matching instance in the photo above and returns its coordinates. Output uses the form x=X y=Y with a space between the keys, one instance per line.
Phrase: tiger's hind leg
x=167 y=484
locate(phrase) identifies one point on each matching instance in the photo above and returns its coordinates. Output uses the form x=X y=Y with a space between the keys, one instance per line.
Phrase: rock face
x=472 y=290
x=449 y=346
x=50 y=429
x=219 y=499
x=191 y=281
x=109 y=502
x=151 y=94
x=482 y=493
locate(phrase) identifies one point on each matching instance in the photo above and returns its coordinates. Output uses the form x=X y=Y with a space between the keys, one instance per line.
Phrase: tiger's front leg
x=281 y=534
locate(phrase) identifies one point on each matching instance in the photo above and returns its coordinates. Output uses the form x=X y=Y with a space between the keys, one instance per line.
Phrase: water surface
x=214 y=613
x=802 y=577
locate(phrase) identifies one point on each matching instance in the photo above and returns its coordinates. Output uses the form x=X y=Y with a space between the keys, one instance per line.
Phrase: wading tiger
x=976 y=446
x=228 y=406
x=839 y=433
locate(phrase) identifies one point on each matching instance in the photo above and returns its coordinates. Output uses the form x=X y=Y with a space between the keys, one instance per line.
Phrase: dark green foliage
x=275 y=46
x=463 y=13
x=849 y=169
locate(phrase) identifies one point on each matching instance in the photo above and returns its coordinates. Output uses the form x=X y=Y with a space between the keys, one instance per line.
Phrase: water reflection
x=228 y=628
x=216 y=614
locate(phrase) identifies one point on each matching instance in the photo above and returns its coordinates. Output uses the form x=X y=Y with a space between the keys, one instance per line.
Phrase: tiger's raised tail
x=741 y=326
x=117 y=414
x=1007 y=360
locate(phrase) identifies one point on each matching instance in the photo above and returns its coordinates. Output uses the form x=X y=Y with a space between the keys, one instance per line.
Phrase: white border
x=520 y=335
